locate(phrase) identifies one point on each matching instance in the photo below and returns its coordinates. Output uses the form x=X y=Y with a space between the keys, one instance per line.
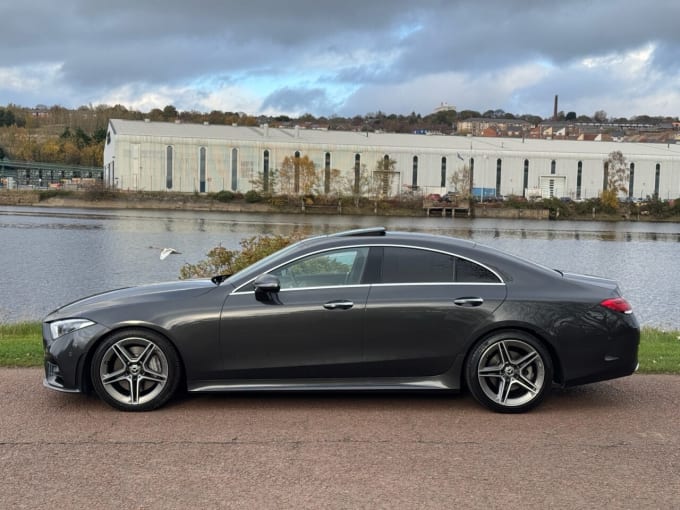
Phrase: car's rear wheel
x=509 y=372
x=135 y=370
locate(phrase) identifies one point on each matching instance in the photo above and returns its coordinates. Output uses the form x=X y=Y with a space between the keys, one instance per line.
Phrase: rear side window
x=469 y=272
x=412 y=265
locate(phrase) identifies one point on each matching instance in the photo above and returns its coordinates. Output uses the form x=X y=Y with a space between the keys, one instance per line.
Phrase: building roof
x=405 y=142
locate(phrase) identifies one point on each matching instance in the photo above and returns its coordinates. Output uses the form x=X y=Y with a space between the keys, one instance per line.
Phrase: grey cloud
x=102 y=44
x=303 y=100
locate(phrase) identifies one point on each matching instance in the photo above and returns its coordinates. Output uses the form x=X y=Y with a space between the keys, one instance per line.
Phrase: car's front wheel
x=509 y=372
x=135 y=370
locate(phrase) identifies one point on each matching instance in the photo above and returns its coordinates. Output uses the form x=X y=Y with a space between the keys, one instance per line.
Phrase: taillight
x=618 y=305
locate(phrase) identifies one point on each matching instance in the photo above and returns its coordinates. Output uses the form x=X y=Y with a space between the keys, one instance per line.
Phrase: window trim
x=369 y=246
x=435 y=250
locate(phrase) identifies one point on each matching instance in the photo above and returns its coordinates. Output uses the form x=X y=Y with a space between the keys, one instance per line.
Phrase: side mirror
x=267 y=283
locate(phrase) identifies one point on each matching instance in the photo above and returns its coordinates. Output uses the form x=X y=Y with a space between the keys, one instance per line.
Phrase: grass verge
x=21 y=346
x=659 y=351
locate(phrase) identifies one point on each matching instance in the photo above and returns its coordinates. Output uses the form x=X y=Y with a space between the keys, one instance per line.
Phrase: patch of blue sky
x=406 y=30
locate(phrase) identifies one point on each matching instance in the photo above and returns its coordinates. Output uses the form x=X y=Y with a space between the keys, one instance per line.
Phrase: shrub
x=224 y=196
x=220 y=260
x=47 y=194
x=253 y=196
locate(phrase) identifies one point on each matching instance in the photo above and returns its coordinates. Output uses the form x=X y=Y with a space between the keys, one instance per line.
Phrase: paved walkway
x=608 y=445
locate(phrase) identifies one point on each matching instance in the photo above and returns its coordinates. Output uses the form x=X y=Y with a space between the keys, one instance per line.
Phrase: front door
x=311 y=328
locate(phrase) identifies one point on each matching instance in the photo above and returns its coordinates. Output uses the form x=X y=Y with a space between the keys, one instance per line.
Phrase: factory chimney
x=555 y=111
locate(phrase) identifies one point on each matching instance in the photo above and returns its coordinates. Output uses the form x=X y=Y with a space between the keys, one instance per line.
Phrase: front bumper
x=65 y=357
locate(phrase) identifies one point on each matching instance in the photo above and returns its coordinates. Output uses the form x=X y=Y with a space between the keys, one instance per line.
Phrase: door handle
x=341 y=305
x=469 y=301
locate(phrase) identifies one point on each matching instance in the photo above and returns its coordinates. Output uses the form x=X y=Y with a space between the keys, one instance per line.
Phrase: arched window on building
x=499 y=165
x=414 y=175
x=472 y=173
x=201 y=169
x=168 y=167
x=579 y=179
x=327 y=174
x=525 y=181
x=296 y=164
x=657 y=179
x=605 y=178
x=552 y=167
x=357 y=174
x=265 y=171
x=234 y=169
x=443 y=174
x=631 y=181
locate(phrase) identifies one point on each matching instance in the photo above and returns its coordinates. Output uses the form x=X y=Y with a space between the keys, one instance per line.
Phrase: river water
x=51 y=256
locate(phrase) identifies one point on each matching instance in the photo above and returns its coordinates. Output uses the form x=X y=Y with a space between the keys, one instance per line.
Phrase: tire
x=135 y=370
x=509 y=372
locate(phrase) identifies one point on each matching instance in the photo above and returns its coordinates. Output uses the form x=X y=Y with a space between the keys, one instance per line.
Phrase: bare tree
x=617 y=177
x=600 y=116
x=460 y=180
x=358 y=185
x=383 y=176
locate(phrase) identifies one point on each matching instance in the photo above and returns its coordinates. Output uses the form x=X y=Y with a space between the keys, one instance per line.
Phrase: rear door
x=423 y=309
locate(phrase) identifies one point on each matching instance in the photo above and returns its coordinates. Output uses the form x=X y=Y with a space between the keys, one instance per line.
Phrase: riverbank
x=406 y=207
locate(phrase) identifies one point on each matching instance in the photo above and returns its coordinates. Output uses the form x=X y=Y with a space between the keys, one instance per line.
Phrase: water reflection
x=52 y=256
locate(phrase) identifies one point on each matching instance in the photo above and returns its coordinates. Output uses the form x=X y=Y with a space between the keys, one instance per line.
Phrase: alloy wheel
x=134 y=371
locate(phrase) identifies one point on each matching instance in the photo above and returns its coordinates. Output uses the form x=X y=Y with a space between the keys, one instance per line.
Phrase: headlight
x=62 y=327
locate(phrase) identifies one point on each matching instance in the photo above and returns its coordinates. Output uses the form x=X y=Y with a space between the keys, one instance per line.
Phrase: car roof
x=380 y=235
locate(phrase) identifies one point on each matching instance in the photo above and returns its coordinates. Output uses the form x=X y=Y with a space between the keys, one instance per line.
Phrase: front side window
x=328 y=269
x=413 y=265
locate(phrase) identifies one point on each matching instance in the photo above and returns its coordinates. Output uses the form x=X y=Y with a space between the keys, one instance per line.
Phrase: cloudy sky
x=344 y=57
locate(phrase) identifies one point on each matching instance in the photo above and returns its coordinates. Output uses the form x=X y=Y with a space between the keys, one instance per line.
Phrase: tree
x=50 y=152
x=383 y=176
x=6 y=117
x=336 y=183
x=298 y=175
x=570 y=116
x=600 y=116
x=358 y=184
x=468 y=114
x=460 y=180
x=616 y=176
x=216 y=117
x=170 y=112
x=267 y=185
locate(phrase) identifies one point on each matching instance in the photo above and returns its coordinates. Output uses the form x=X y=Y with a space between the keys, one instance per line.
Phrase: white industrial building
x=156 y=156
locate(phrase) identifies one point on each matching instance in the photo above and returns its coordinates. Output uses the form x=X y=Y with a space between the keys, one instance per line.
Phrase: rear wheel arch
x=482 y=375
x=540 y=336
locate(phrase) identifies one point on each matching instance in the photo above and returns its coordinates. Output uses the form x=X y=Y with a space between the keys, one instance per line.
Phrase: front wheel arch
x=176 y=374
